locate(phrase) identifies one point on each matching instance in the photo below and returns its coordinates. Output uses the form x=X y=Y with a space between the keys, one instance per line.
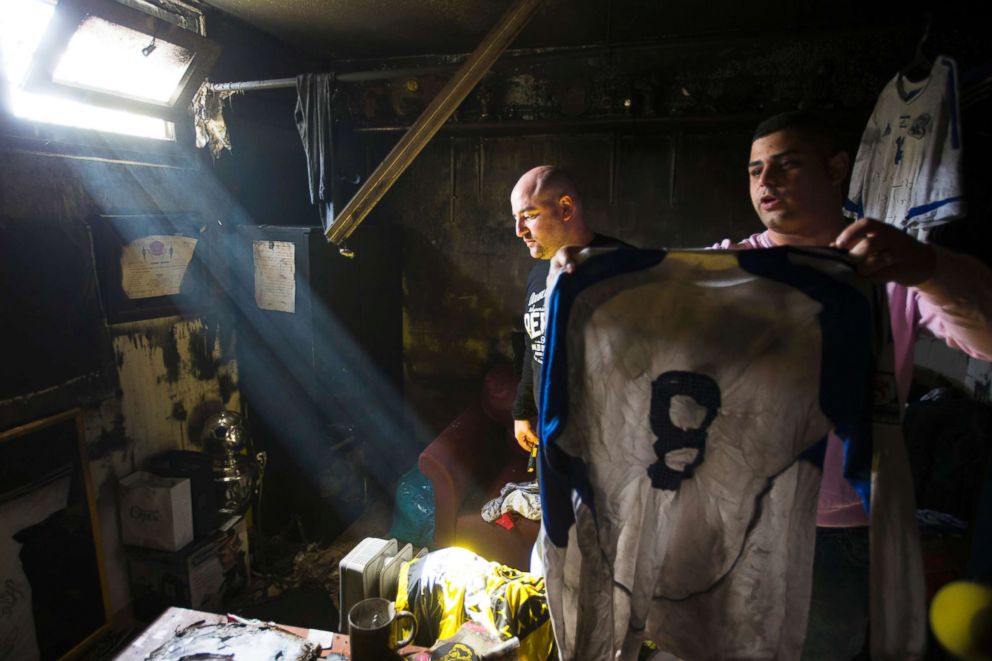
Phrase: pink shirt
x=955 y=304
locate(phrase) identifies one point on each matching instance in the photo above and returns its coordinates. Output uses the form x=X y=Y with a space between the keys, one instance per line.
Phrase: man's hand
x=566 y=259
x=886 y=254
x=524 y=433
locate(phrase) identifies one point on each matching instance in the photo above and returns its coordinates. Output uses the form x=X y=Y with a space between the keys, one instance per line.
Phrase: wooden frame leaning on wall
x=53 y=587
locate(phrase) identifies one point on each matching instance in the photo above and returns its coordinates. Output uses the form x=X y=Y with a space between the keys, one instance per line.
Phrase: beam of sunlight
x=306 y=420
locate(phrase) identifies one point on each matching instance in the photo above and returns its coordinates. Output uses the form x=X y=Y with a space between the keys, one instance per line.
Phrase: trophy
x=237 y=474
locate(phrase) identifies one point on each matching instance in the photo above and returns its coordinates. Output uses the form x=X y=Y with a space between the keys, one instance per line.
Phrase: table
x=164 y=628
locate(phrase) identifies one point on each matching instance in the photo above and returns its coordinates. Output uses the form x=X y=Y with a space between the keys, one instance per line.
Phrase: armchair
x=468 y=464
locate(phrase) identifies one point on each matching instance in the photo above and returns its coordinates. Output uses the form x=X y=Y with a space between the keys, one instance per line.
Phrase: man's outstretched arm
x=954 y=290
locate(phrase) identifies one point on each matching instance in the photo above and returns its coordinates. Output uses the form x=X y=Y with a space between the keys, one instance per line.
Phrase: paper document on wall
x=275 y=275
x=155 y=265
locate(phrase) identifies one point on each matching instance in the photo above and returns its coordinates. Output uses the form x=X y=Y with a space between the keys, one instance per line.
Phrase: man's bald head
x=548 y=182
x=547 y=211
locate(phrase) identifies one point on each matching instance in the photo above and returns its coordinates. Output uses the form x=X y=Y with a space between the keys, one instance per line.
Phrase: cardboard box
x=156 y=512
x=198 y=576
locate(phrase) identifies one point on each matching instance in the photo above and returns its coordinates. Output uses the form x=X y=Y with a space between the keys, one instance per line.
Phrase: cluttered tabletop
x=182 y=633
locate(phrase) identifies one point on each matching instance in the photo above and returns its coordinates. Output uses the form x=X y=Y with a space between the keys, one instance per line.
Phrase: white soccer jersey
x=685 y=399
x=908 y=169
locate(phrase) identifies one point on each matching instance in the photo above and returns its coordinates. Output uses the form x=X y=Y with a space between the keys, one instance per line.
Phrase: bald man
x=547 y=213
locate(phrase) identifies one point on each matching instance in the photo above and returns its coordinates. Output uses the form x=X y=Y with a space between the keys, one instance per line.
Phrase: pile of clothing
x=450 y=587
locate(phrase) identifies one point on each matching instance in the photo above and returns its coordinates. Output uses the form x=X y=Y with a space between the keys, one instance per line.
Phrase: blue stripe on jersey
x=952 y=100
x=847 y=362
x=930 y=206
x=854 y=207
x=558 y=472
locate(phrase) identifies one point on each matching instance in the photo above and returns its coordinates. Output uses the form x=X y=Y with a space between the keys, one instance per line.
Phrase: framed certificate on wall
x=150 y=265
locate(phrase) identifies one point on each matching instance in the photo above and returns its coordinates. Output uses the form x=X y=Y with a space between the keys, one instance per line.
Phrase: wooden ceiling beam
x=431 y=120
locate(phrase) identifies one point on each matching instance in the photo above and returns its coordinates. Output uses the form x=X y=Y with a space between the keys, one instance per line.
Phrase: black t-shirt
x=525 y=403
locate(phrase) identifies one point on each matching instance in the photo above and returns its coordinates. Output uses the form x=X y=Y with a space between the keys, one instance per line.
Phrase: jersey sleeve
x=854 y=205
x=938 y=196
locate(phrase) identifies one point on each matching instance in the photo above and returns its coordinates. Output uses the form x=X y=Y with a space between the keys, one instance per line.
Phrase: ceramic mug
x=374 y=626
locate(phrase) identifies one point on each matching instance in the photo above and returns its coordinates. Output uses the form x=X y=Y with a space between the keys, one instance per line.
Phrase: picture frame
x=138 y=277
x=54 y=600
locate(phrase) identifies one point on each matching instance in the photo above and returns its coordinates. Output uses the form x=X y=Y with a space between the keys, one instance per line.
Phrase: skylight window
x=112 y=58
x=98 y=64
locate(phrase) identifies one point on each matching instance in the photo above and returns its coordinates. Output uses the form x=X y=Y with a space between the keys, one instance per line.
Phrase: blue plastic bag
x=413 y=517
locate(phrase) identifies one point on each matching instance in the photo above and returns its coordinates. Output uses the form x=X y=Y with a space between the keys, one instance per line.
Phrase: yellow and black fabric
x=451 y=586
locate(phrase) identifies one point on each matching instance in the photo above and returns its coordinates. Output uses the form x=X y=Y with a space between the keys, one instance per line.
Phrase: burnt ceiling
x=356 y=29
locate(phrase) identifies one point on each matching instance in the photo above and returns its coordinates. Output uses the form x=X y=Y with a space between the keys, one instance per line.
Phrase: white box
x=156 y=512
x=358 y=573
x=201 y=576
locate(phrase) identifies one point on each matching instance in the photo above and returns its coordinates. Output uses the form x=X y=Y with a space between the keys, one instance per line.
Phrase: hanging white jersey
x=908 y=169
x=686 y=397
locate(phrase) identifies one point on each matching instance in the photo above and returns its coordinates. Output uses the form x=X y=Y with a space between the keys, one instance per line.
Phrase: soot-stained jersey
x=685 y=400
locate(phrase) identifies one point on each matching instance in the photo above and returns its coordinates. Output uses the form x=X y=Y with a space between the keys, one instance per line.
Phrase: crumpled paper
x=208 y=119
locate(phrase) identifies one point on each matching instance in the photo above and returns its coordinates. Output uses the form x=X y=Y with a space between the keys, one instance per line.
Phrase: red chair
x=468 y=464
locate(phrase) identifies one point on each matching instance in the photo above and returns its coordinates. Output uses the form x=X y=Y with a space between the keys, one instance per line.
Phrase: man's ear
x=567 y=206
x=837 y=167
